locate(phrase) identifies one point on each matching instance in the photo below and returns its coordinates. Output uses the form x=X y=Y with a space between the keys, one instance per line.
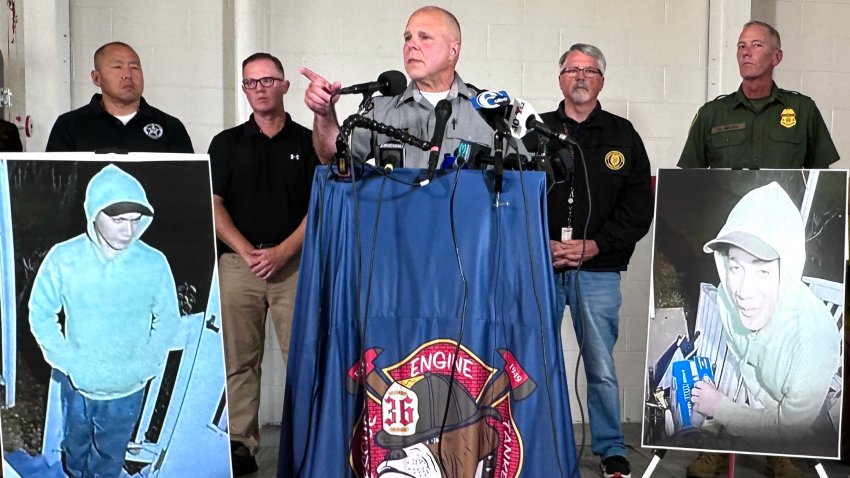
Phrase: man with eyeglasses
x=262 y=171
x=593 y=239
x=118 y=118
x=758 y=126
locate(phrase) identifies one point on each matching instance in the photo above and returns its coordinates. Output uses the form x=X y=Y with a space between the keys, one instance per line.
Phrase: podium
x=425 y=334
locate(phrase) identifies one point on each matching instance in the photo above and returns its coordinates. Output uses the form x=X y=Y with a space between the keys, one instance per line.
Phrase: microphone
x=441 y=112
x=390 y=83
x=493 y=107
x=533 y=123
x=521 y=111
x=391 y=155
x=487 y=100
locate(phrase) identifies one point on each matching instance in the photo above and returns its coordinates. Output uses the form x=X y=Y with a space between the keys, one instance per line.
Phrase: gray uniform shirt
x=410 y=111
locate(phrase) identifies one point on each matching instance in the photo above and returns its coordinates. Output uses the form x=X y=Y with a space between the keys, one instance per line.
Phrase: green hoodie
x=789 y=363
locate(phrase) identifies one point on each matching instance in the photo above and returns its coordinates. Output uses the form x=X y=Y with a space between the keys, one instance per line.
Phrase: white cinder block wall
x=662 y=66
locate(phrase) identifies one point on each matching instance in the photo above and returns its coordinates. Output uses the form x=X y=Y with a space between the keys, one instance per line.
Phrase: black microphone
x=441 y=112
x=546 y=131
x=390 y=83
x=391 y=155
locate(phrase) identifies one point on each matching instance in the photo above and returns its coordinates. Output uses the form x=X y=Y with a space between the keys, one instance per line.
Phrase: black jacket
x=620 y=187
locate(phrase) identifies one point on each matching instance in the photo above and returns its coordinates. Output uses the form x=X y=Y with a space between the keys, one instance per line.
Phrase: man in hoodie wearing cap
x=104 y=311
x=783 y=336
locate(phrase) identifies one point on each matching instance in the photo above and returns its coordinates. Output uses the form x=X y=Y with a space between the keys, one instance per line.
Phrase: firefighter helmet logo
x=440 y=404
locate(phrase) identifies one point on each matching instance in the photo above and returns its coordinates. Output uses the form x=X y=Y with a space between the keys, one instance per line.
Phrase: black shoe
x=615 y=466
x=241 y=460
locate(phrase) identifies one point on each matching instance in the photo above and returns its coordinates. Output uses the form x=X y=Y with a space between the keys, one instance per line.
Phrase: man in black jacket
x=118 y=118
x=593 y=240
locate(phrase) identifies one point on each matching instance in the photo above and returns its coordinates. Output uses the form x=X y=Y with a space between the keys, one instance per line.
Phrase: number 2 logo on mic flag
x=489 y=100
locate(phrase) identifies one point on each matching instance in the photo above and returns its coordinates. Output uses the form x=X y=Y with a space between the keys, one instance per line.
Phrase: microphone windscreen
x=393 y=83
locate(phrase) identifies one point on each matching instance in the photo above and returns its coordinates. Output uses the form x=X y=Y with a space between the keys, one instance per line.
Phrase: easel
x=658 y=455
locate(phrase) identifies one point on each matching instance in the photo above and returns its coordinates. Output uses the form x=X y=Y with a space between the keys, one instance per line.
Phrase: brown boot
x=782 y=467
x=706 y=465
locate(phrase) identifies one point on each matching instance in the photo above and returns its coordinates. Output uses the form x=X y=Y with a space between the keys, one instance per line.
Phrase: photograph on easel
x=112 y=361
x=745 y=347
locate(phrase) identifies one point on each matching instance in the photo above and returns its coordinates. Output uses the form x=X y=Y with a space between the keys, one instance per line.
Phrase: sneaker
x=615 y=466
x=782 y=467
x=241 y=460
x=706 y=465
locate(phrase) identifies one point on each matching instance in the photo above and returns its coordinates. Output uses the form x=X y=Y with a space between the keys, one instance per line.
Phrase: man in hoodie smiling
x=104 y=311
x=783 y=336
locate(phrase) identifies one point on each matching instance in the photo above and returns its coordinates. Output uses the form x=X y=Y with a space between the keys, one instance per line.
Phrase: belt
x=263 y=245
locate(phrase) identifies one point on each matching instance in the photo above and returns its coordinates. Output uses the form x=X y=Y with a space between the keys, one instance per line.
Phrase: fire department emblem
x=439 y=405
x=788 y=118
x=153 y=130
x=614 y=160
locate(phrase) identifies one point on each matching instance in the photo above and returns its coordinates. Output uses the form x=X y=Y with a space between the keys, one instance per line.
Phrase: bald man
x=118 y=118
x=432 y=42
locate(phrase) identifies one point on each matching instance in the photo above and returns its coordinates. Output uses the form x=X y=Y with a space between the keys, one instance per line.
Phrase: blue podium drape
x=411 y=372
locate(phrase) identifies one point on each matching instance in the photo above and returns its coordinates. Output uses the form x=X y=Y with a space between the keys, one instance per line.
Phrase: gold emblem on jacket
x=614 y=160
x=788 y=119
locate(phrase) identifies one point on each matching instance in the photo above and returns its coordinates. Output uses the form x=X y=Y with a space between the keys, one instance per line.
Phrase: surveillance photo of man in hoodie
x=104 y=310
x=783 y=336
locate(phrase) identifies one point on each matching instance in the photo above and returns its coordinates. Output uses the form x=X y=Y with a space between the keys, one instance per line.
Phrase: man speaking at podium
x=431 y=50
x=591 y=246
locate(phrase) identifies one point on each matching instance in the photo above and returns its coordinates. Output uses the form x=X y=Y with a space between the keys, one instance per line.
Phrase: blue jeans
x=97 y=432
x=596 y=322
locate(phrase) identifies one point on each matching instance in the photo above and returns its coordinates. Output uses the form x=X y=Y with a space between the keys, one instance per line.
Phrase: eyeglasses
x=588 y=72
x=268 y=81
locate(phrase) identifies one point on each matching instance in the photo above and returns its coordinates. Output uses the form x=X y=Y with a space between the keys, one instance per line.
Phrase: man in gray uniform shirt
x=432 y=43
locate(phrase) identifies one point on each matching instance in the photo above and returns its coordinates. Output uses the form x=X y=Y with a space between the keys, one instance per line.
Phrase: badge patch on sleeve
x=789 y=118
x=615 y=160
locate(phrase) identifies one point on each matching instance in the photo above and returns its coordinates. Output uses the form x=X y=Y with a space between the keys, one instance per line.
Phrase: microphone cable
x=580 y=303
x=555 y=438
x=314 y=393
x=362 y=396
x=453 y=367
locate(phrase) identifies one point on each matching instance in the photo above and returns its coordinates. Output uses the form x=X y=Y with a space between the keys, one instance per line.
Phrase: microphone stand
x=365 y=106
x=498 y=164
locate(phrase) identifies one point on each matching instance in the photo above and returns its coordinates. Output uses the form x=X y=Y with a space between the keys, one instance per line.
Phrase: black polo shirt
x=92 y=128
x=265 y=182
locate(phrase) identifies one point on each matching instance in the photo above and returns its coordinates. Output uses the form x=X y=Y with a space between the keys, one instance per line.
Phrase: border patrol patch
x=153 y=130
x=788 y=118
x=615 y=160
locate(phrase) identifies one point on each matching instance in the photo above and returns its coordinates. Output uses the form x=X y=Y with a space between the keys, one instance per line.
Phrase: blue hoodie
x=121 y=313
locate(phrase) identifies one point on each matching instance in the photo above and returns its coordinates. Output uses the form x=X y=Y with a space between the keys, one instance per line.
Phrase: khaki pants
x=245 y=300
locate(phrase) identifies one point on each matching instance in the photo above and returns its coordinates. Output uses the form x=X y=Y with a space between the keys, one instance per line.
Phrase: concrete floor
x=673 y=464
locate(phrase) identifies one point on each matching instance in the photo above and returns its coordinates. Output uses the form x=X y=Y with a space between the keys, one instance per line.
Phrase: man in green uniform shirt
x=760 y=125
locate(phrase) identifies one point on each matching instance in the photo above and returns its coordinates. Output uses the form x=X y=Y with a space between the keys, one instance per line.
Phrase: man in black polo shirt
x=262 y=171
x=118 y=118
